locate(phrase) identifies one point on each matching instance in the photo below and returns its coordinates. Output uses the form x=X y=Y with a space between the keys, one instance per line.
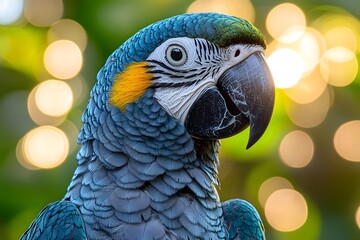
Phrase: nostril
x=237 y=53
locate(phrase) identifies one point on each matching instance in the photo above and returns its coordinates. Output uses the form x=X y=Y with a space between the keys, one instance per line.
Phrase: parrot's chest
x=141 y=185
x=120 y=213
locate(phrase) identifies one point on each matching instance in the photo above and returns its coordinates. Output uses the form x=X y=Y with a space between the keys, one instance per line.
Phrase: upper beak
x=250 y=87
x=243 y=96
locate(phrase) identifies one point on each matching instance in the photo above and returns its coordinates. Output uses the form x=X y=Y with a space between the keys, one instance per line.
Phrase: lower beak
x=243 y=96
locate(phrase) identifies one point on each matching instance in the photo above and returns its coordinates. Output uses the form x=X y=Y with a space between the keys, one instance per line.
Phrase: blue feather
x=147 y=170
x=164 y=188
x=129 y=201
x=59 y=220
x=101 y=178
x=192 y=226
x=242 y=220
x=180 y=176
x=156 y=196
x=176 y=210
x=169 y=164
x=197 y=190
x=201 y=178
x=172 y=183
x=162 y=206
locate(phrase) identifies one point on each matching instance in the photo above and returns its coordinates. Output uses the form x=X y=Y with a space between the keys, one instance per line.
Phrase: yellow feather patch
x=130 y=85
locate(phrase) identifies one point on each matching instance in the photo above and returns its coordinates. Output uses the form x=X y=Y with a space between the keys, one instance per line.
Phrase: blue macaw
x=147 y=166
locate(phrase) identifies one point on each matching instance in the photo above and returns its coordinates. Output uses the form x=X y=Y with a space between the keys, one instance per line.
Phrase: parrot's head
x=206 y=70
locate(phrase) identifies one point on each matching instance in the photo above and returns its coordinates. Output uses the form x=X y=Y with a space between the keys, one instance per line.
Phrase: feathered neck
x=140 y=164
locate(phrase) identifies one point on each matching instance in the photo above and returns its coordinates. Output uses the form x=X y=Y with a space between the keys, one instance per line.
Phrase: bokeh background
x=303 y=175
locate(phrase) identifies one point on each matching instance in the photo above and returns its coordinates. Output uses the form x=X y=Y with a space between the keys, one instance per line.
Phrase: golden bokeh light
x=286 y=66
x=309 y=46
x=347 y=141
x=339 y=54
x=296 y=149
x=67 y=29
x=43 y=13
x=309 y=51
x=10 y=11
x=339 y=66
x=341 y=36
x=339 y=29
x=37 y=115
x=21 y=158
x=63 y=59
x=308 y=89
x=276 y=24
x=45 y=147
x=291 y=35
x=271 y=185
x=239 y=8
x=357 y=217
x=311 y=114
x=286 y=210
x=54 y=98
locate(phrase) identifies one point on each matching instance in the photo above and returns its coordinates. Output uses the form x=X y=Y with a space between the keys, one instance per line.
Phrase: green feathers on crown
x=240 y=31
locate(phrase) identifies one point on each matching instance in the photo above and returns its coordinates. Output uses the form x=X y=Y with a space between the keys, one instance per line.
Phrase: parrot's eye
x=176 y=55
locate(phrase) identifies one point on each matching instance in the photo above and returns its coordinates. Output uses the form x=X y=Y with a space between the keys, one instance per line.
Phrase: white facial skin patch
x=184 y=68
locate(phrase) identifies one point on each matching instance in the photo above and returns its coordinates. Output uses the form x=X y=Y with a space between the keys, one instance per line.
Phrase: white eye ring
x=176 y=55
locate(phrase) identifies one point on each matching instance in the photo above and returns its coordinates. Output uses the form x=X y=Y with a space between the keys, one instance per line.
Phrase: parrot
x=147 y=166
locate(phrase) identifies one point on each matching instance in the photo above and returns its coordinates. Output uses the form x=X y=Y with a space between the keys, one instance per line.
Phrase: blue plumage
x=140 y=174
x=59 y=220
x=243 y=219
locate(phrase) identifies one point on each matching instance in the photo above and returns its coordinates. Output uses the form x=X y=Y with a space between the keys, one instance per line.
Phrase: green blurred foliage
x=330 y=185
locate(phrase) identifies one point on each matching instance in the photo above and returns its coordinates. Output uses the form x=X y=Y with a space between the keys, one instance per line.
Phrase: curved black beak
x=243 y=96
x=251 y=88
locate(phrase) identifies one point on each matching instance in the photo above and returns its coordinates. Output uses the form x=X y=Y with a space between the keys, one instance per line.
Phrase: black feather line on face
x=163 y=65
x=208 y=56
x=171 y=73
x=173 y=84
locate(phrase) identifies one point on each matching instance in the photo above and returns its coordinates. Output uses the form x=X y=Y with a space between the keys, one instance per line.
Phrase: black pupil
x=176 y=54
